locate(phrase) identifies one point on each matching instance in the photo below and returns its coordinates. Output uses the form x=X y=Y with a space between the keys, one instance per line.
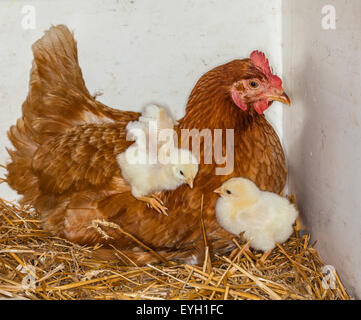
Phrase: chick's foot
x=264 y=257
x=155 y=203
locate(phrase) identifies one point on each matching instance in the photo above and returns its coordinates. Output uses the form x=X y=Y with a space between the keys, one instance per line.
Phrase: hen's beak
x=189 y=181
x=282 y=98
x=219 y=191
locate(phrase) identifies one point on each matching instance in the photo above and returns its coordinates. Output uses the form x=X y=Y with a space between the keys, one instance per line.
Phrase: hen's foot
x=155 y=203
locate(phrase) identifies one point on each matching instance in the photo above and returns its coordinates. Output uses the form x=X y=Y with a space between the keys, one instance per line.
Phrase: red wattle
x=260 y=106
x=236 y=97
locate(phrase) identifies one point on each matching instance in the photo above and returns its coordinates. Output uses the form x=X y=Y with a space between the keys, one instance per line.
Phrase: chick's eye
x=181 y=172
x=253 y=84
x=228 y=192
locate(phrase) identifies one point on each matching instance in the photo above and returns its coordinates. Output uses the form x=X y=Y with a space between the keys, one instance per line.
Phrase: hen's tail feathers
x=58 y=98
x=20 y=176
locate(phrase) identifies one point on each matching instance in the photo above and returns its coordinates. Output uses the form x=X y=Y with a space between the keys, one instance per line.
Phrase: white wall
x=138 y=51
x=323 y=131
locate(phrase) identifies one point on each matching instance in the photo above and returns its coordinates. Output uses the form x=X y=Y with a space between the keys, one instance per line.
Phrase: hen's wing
x=84 y=157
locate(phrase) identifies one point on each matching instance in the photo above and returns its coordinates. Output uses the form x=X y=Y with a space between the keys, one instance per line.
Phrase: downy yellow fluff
x=264 y=217
x=146 y=177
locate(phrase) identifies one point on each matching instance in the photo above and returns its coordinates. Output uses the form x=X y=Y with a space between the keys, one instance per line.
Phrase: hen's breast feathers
x=259 y=156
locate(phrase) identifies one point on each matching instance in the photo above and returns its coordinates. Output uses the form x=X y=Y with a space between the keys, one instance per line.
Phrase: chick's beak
x=281 y=98
x=189 y=181
x=218 y=190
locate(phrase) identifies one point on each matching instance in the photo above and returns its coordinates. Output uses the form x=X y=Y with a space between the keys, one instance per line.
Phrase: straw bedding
x=37 y=265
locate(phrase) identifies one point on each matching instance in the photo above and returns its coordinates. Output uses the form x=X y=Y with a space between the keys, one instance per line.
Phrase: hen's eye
x=253 y=84
x=181 y=172
x=228 y=192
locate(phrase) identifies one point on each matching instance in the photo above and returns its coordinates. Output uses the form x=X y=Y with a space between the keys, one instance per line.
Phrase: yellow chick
x=264 y=217
x=147 y=177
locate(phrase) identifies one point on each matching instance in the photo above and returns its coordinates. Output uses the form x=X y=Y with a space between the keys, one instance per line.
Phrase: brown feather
x=64 y=159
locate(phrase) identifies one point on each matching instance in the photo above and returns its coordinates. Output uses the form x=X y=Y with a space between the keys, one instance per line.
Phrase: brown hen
x=64 y=162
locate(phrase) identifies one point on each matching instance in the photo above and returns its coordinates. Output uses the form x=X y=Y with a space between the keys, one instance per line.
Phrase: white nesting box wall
x=323 y=132
x=137 y=51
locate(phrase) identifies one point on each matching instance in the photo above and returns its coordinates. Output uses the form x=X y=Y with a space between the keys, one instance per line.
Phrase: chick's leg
x=298 y=226
x=265 y=256
x=155 y=203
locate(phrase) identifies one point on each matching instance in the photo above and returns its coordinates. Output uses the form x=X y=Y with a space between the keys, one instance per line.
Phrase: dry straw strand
x=59 y=269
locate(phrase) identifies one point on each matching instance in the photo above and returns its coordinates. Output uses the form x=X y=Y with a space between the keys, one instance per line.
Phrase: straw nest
x=36 y=265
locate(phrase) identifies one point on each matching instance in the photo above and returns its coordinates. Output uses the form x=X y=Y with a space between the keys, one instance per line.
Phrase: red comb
x=261 y=62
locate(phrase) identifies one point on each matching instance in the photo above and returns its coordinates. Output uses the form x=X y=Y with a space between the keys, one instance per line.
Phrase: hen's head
x=253 y=84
